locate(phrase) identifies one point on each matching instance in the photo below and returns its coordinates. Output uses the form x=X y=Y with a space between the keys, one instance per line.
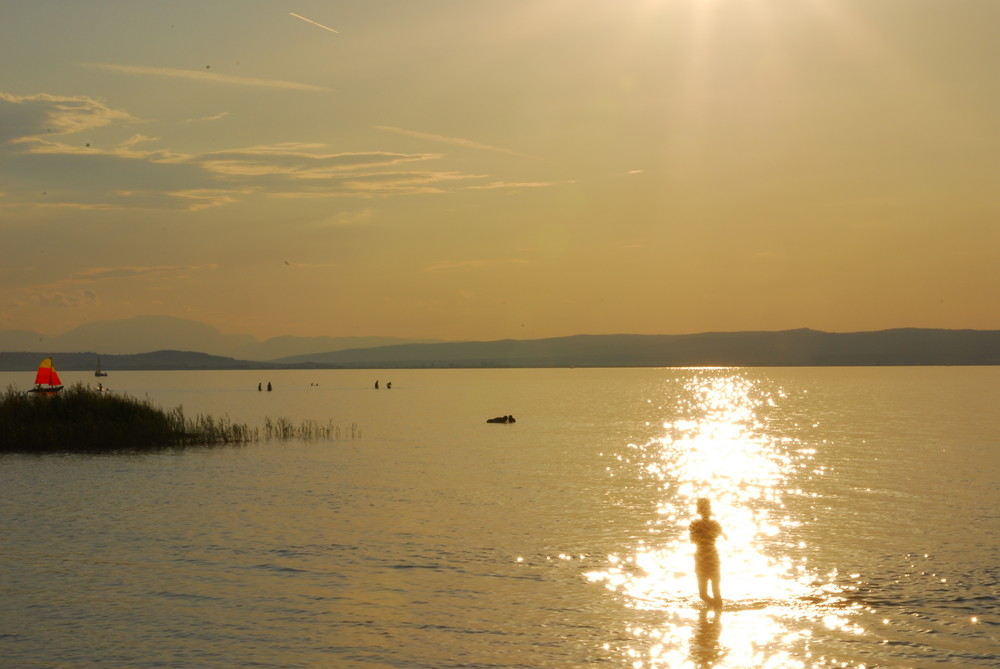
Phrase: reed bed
x=78 y=419
x=282 y=428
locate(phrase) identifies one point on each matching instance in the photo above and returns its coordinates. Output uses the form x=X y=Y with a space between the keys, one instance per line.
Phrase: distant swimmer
x=376 y=384
x=258 y=387
x=704 y=531
x=268 y=386
x=388 y=385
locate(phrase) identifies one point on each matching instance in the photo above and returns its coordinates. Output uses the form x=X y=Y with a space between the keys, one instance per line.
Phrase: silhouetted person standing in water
x=704 y=531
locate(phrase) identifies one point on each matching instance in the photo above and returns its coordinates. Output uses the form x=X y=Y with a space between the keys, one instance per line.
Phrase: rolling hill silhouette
x=910 y=346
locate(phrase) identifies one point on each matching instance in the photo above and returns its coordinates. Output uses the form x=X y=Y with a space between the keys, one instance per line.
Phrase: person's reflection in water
x=706 y=651
x=704 y=531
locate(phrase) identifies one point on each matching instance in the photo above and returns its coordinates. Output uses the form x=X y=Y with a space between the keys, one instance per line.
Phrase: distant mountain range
x=155 y=360
x=747 y=349
x=751 y=349
x=143 y=334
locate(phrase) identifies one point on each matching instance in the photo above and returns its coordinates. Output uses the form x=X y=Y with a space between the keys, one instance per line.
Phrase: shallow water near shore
x=859 y=505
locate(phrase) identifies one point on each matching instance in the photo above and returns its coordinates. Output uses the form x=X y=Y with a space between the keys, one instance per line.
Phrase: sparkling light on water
x=717 y=445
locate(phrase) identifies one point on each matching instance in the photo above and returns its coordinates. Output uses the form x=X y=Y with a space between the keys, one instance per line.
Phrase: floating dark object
x=501 y=419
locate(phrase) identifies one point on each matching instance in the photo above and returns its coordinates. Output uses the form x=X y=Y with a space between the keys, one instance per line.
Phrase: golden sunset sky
x=487 y=169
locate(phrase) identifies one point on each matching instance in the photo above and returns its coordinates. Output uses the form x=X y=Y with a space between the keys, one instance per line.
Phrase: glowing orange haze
x=493 y=170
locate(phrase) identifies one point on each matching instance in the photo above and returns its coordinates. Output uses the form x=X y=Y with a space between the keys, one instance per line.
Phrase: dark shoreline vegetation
x=79 y=419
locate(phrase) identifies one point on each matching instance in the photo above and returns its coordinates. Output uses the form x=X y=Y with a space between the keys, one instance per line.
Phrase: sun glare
x=719 y=448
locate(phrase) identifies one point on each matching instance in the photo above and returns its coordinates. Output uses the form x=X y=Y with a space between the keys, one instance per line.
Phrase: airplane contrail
x=458 y=141
x=315 y=23
x=201 y=75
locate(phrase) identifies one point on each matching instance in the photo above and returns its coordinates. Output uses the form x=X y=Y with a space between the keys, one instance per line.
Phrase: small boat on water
x=98 y=371
x=46 y=379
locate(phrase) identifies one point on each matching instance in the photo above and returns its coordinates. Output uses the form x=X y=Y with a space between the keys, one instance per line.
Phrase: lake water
x=860 y=507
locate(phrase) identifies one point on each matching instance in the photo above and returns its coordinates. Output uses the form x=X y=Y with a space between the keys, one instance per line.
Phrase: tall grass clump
x=79 y=419
x=282 y=428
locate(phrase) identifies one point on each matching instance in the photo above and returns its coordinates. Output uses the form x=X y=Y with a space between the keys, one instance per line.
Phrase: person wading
x=704 y=531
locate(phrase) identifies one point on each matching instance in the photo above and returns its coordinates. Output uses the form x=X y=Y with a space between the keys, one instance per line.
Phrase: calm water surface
x=860 y=507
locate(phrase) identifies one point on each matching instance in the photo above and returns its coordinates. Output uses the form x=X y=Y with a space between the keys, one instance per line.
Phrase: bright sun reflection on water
x=720 y=449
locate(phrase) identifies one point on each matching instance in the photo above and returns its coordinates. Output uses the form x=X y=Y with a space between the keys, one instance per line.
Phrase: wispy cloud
x=24 y=118
x=67 y=300
x=131 y=271
x=214 y=117
x=203 y=198
x=456 y=141
x=386 y=183
x=205 y=77
x=517 y=185
x=305 y=265
x=315 y=23
x=450 y=265
x=56 y=162
x=302 y=161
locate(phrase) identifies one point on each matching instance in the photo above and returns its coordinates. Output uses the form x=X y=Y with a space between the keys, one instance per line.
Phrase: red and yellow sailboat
x=47 y=379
